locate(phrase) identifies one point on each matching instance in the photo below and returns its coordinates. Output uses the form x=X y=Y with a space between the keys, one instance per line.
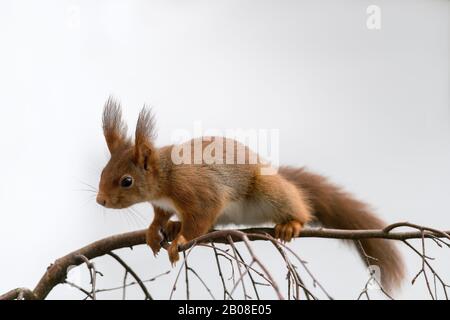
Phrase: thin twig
x=92 y=273
x=133 y=274
x=241 y=278
x=186 y=274
x=219 y=268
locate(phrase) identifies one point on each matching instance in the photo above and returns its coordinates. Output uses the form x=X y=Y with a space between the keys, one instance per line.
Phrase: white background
x=368 y=108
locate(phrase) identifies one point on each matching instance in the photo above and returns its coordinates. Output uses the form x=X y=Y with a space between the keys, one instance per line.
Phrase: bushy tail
x=335 y=208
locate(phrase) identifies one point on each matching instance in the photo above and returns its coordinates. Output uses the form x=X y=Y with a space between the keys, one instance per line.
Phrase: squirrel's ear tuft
x=145 y=135
x=114 y=129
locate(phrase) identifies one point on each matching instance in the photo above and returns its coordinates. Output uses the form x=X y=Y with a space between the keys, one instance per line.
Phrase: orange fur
x=335 y=208
x=203 y=194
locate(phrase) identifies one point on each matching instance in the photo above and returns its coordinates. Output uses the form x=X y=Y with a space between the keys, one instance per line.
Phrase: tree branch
x=56 y=273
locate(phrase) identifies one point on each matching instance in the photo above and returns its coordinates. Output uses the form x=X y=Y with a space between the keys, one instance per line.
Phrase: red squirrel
x=204 y=195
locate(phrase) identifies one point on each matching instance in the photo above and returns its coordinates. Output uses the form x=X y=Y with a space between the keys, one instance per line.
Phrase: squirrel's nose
x=101 y=200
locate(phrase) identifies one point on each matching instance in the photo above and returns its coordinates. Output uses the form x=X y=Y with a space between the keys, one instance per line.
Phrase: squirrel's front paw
x=172 y=229
x=153 y=238
x=174 y=256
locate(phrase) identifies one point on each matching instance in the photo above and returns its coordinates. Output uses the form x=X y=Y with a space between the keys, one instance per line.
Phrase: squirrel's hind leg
x=291 y=210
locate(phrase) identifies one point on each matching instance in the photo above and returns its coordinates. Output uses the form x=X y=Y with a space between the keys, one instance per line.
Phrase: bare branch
x=56 y=273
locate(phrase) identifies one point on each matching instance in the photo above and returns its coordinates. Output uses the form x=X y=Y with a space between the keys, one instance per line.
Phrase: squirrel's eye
x=126 y=182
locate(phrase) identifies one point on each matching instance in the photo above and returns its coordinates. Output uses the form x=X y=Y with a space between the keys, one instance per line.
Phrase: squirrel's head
x=131 y=174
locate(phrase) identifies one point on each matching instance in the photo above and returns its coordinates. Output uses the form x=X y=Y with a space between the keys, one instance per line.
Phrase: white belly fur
x=249 y=213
